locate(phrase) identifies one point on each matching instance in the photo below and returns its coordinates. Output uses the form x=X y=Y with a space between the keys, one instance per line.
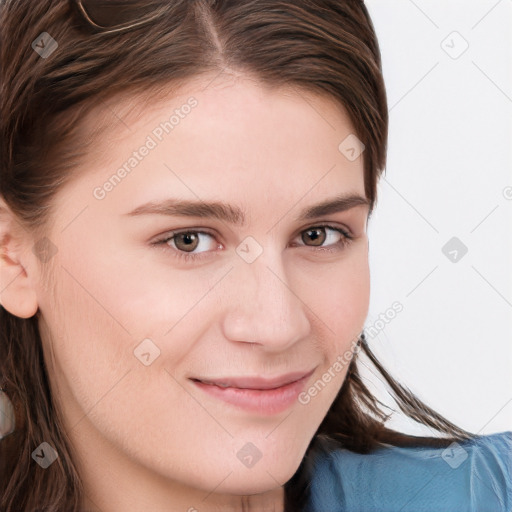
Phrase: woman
x=185 y=194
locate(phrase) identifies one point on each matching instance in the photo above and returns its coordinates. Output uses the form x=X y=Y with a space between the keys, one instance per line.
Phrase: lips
x=256 y=383
x=256 y=395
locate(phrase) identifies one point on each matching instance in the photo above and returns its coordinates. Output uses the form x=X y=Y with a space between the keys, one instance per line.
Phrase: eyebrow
x=235 y=215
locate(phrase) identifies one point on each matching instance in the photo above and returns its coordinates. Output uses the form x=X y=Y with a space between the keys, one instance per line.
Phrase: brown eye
x=326 y=238
x=185 y=244
x=316 y=235
x=186 y=241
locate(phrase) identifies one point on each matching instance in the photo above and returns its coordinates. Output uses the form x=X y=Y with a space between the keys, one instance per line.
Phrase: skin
x=145 y=437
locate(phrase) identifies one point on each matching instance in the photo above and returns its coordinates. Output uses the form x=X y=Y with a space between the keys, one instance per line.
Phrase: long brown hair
x=326 y=47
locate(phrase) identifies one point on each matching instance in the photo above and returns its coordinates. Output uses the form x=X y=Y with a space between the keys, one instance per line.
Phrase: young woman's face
x=255 y=291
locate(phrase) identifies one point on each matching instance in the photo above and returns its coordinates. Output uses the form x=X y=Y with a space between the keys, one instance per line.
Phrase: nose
x=262 y=307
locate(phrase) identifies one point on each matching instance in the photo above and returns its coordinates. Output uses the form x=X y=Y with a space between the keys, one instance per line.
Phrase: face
x=151 y=293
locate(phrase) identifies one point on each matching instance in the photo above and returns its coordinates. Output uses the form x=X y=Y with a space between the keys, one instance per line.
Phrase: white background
x=448 y=169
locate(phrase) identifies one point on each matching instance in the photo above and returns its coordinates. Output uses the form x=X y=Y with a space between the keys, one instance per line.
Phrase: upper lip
x=256 y=382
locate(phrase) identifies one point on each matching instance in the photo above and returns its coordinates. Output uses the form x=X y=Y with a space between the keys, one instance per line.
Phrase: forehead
x=228 y=138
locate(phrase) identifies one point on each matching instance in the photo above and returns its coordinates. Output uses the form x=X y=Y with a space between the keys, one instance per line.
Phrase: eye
x=318 y=236
x=184 y=242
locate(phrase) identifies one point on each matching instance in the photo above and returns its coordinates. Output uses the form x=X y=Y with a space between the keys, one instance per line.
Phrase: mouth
x=256 y=394
x=257 y=383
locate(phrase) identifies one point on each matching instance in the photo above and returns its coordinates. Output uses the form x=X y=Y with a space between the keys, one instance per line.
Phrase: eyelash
x=181 y=255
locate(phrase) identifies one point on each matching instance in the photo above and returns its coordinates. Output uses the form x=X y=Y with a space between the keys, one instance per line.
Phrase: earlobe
x=19 y=301
x=17 y=295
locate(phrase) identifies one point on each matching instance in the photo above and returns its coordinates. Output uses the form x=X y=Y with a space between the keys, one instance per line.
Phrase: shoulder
x=464 y=477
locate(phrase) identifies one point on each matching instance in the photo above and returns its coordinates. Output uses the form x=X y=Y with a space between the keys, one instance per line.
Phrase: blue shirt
x=469 y=476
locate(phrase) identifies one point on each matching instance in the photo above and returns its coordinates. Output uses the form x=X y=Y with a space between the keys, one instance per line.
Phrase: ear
x=17 y=294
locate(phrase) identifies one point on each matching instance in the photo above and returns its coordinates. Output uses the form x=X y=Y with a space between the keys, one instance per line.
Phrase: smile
x=257 y=395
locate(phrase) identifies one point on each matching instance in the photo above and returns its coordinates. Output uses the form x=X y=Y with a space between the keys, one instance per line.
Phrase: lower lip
x=260 y=401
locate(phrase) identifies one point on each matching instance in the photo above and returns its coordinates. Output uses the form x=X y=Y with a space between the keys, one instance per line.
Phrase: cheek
x=86 y=346
x=101 y=309
x=339 y=308
x=342 y=298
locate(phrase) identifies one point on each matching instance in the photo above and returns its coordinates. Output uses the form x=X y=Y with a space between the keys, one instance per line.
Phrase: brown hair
x=326 y=47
